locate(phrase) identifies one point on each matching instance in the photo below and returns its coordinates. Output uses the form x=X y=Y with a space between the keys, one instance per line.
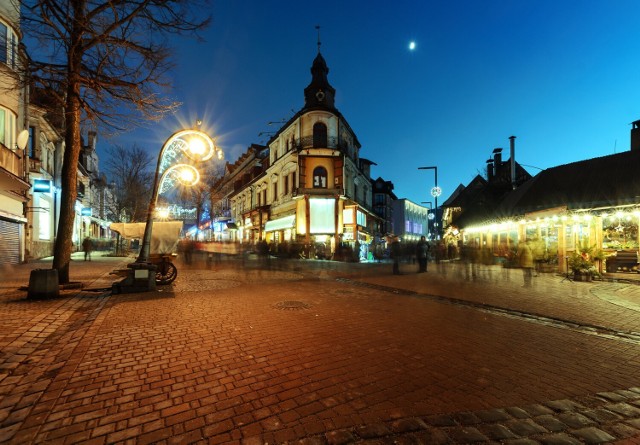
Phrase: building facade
x=383 y=198
x=314 y=194
x=410 y=220
x=562 y=210
x=14 y=183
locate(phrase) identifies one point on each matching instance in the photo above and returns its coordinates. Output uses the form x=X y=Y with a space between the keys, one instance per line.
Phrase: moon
x=412 y=45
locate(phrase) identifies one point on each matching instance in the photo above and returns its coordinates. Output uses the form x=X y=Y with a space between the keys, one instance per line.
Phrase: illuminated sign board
x=86 y=211
x=42 y=185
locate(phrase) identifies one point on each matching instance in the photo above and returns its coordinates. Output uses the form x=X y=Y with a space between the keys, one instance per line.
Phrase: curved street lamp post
x=198 y=147
x=435 y=192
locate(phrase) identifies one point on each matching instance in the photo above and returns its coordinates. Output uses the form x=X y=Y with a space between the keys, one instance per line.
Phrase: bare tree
x=104 y=61
x=129 y=170
x=198 y=196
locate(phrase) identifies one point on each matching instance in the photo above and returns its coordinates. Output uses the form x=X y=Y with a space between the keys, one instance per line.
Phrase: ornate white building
x=316 y=188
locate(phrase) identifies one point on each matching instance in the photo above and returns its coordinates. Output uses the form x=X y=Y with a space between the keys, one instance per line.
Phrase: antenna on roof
x=319 y=43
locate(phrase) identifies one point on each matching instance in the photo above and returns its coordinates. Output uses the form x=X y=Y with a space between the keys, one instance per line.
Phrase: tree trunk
x=72 y=115
x=64 y=239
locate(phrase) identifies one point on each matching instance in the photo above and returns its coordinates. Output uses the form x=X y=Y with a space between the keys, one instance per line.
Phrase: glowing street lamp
x=435 y=192
x=197 y=146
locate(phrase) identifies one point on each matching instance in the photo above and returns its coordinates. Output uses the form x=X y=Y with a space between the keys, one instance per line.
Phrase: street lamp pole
x=198 y=146
x=435 y=192
x=429 y=216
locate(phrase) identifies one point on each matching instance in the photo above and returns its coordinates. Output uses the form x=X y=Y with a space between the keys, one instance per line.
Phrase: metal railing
x=308 y=142
x=11 y=161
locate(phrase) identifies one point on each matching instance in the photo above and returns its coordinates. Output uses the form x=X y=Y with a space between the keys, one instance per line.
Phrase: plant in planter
x=582 y=263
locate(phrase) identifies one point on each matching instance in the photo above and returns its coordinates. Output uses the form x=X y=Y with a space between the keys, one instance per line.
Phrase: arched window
x=320 y=178
x=319 y=135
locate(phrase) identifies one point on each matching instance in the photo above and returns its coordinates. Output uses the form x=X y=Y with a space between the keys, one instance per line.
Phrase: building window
x=286 y=185
x=320 y=177
x=275 y=191
x=319 y=135
x=8 y=46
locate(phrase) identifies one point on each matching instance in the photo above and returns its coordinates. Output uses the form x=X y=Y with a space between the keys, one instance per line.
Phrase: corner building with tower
x=312 y=194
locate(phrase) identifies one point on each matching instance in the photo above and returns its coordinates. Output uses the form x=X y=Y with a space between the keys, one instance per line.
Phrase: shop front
x=556 y=234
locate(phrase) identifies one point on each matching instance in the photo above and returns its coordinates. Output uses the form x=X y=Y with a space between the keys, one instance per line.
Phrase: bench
x=623 y=261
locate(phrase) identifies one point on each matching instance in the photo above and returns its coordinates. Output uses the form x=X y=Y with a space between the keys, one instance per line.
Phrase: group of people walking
x=422 y=254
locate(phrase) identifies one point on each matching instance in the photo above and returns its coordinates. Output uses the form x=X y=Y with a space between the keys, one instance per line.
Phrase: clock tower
x=319 y=93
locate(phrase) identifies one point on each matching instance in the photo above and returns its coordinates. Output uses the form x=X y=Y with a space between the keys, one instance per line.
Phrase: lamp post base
x=141 y=277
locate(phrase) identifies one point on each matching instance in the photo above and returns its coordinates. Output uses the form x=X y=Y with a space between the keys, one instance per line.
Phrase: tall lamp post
x=197 y=146
x=435 y=192
x=430 y=216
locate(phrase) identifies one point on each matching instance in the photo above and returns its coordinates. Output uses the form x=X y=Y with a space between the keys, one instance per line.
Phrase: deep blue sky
x=561 y=75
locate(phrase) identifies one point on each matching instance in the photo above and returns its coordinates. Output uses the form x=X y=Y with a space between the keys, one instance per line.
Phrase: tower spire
x=319 y=43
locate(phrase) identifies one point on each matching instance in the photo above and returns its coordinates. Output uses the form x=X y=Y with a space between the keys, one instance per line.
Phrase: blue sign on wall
x=86 y=211
x=42 y=185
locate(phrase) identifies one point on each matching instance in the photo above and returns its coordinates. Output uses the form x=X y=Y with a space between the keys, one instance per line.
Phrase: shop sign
x=42 y=185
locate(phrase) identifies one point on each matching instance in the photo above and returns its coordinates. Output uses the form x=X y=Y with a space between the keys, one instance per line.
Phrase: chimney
x=512 y=153
x=489 y=170
x=635 y=135
x=497 y=161
x=92 y=140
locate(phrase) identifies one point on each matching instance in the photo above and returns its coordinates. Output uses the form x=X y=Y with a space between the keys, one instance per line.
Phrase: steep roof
x=599 y=182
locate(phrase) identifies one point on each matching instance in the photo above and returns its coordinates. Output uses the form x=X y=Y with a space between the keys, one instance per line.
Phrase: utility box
x=43 y=283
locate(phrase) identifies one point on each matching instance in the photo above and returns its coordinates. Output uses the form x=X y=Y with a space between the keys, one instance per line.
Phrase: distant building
x=410 y=220
x=383 y=198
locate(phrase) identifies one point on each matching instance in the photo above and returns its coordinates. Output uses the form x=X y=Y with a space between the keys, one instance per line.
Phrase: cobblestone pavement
x=320 y=352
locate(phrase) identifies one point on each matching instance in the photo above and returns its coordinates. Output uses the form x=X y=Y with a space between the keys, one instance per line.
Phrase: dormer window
x=320 y=178
x=319 y=135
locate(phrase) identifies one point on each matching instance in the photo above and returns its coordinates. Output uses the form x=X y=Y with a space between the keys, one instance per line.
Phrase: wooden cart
x=164 y=243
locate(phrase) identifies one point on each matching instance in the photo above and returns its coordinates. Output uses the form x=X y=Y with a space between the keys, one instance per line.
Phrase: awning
x=232 y=226
x=280 y=224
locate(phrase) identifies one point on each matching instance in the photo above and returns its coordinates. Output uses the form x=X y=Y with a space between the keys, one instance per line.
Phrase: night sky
x=560 y=75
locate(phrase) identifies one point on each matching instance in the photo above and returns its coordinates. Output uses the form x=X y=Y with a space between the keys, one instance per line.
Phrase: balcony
x=34 y=165
x=307 y=142
x=317 y=191
x=11 y=161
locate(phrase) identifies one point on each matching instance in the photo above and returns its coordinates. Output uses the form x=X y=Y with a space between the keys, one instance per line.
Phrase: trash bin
x=43 y=283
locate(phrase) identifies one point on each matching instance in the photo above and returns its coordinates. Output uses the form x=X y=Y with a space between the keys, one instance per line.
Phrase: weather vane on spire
x=319 y=43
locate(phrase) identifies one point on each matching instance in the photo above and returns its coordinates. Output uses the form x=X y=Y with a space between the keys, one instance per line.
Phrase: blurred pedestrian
x=395 y=254
x=525 y=258
x=87 y=247
x=422 y=253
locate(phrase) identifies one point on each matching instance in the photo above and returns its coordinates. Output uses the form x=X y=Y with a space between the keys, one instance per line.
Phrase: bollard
x=43 y=283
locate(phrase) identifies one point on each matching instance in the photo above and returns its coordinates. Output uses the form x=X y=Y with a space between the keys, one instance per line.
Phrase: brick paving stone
x=521 y=442
x=372 y=430
x=316 y=440
x=624 y=409
x=493 y=415
x=601 y=415
x=466 y=418
x=440 y=420
x=575 y=420
x=518 y=413
x=564 y=405
x=537 y=410
x=497 y=432
x=612 y=396
x=593 y=435
x=525 y=427
x=551 y=423
x=340 y=437
x=467 y=435
x=620 y=430
x=408 y=425
x=559 y=439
